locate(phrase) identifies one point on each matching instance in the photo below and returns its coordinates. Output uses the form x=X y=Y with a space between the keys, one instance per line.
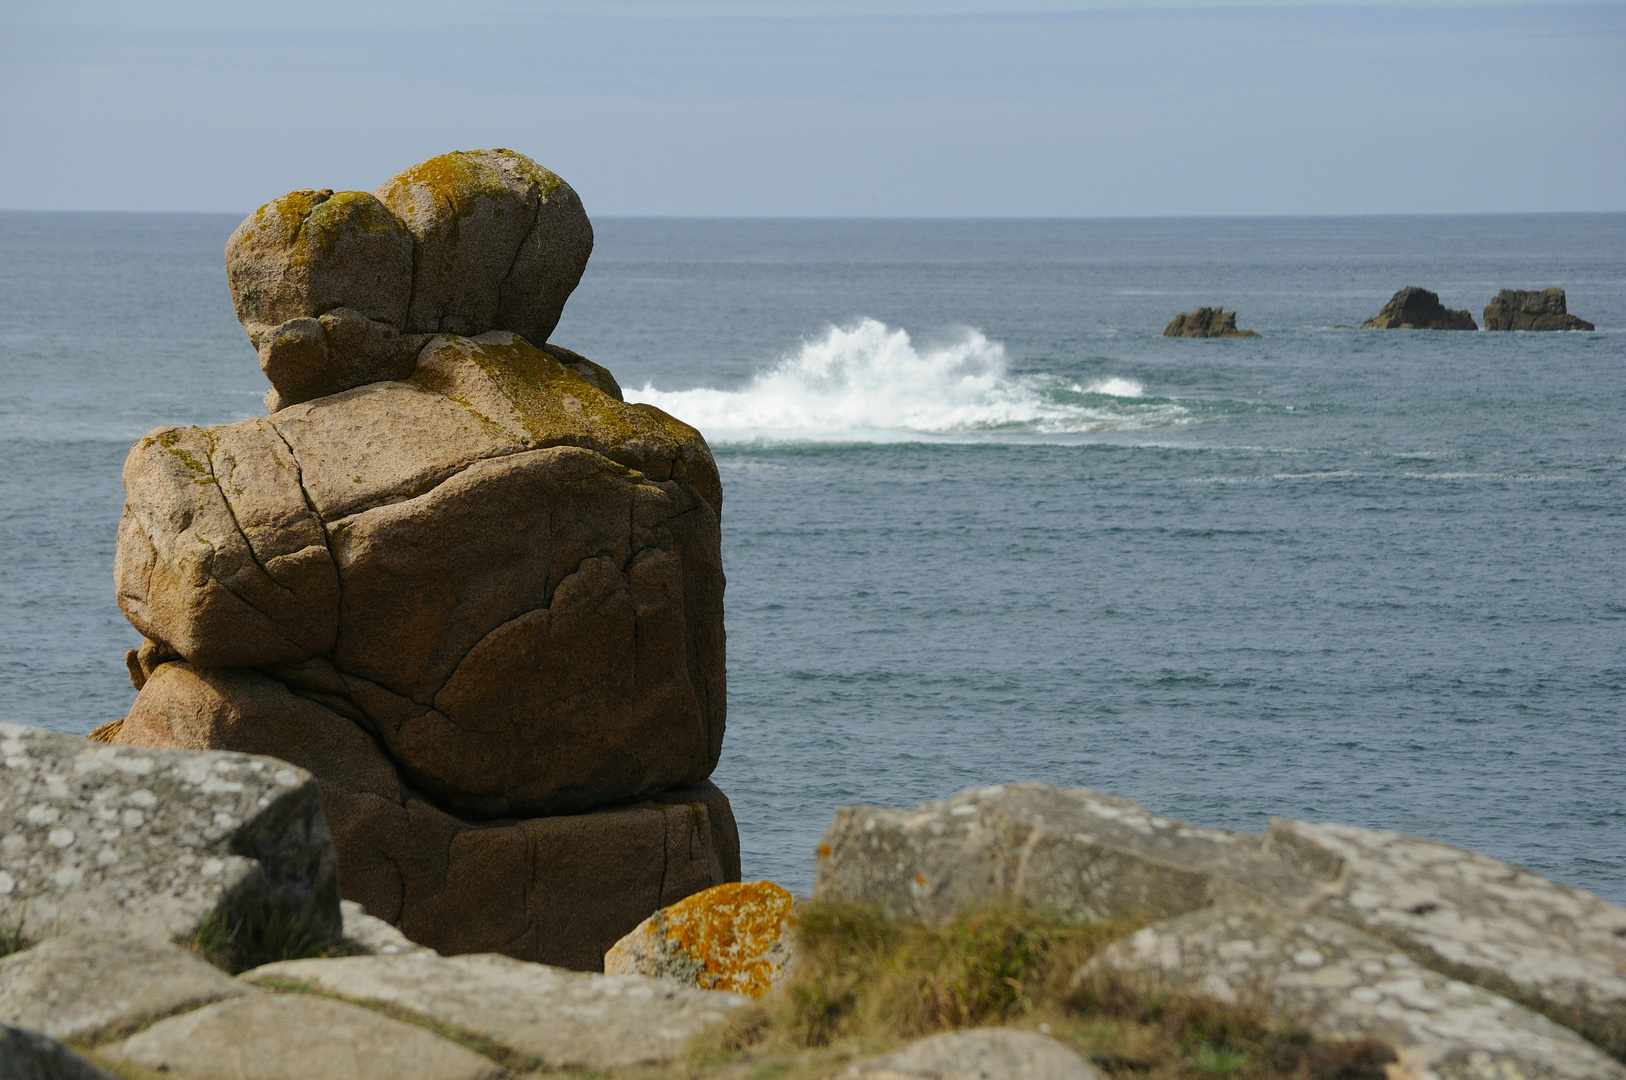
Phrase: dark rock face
x=1205 y=322
x=457 y=576
x=1418 y=309
x=1519 y=309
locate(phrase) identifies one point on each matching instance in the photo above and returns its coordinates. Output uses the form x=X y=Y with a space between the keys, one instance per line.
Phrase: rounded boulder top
x=499 y=242
x=312 y=251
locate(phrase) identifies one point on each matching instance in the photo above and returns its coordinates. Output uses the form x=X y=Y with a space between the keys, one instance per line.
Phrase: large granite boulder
x=158 y=844
x=1418 y=309
x=1519 y=309
x=1556 y=950
x=342 y=289
x=1204 y=323
x=453 y=573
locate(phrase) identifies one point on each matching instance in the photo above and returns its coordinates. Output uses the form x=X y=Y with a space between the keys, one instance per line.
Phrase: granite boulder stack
x=452 y=573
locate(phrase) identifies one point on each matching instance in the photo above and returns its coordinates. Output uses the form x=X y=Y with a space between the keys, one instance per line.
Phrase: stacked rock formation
x=1205 y=322
x=1418 y=309
x=1518 y=309
x=452 y=574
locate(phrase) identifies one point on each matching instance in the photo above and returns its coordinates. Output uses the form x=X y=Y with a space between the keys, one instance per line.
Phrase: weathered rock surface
x=366 y=935
x=1418 y=309
x=28 y=1055
x=560 y=1019
x=154 y=843
x=1204 y=323
x=511 y=658
x=982 y=1054
x=282 y=1036
x=559 y=889
x=1518 y=309
x=90 y=984
x=1082 y=853
x=1341 y=983
x=1558 y=950
x=500 y=242
x=734 y=937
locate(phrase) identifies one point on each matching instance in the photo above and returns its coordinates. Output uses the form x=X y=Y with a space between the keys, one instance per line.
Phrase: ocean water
x=982 y=523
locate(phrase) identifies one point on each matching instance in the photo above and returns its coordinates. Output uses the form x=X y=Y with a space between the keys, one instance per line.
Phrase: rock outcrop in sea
x=452 y=574
x=1519 y=309
x=1418 y=309
x=1205 y=322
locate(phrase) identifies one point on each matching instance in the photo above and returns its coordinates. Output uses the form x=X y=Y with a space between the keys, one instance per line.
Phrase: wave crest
x=868 y=382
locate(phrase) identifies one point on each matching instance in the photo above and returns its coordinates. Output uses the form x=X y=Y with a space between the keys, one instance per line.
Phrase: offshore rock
x=982 y=1054
x=1340 y=983
x=1517 y=309
x=1418 y=309
x=287 y=1036
x=1081 y=853
x=559 y=889
x=157 y=843
x=557 y=1019
x=531 y=572
x=1558 y=950
x=500 y=243
x=88 y=984
x=1204 y=323
x=734 y=937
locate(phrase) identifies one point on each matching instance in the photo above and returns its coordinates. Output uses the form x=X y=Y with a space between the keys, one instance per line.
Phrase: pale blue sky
x=827 y=107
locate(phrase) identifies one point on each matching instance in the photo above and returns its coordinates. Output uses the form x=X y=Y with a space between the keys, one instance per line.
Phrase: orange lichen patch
x=733 y=937
x=107 y=732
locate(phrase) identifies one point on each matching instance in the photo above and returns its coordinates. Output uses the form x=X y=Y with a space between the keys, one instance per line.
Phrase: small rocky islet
x=1414 y=308
x=430 y=690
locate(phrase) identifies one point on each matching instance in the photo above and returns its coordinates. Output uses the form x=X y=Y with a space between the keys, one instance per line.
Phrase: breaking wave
x=869 y=382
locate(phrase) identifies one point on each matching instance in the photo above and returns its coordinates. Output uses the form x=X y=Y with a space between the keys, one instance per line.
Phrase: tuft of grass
x=238 y=942
x=13 y=938
x=863 y=982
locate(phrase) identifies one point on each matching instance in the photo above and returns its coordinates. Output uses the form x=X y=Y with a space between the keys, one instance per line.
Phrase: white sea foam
x=869 y=382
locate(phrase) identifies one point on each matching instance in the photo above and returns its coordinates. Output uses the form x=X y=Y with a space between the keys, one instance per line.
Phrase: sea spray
x=870 y=382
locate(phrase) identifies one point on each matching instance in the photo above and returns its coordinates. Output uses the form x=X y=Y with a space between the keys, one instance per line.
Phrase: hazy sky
x=826 y=107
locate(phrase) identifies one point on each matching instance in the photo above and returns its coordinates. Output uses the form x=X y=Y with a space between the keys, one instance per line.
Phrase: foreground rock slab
x=1558 y=950
x=296 y=1037
x=91 y=984
x=1418 y=309
x=1344 y=984
x=557 y=1019
x=1519 y=309
x=1084 y=854
x=28 y=1055
x=155 y=843
x=1205 y=323
x=984 y=1054
x=734 y=937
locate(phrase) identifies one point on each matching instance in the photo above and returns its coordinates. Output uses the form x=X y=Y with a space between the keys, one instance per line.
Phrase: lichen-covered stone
x=1558 y=950
x=309 y=252
x=296 y=1037
x=368 y=935
x=1340 y=983
x=734 y=937
x=90 y=984
x=155 y=843
x=562 y=1019
x=1520 y=309
x=500 y=242
x=1418 y=309
x=1082 y=853
x=983 y=1054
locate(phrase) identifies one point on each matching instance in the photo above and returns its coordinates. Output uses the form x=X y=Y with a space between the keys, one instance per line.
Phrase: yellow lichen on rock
x=733 y=937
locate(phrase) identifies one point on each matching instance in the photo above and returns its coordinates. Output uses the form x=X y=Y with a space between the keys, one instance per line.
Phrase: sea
x=983 y=523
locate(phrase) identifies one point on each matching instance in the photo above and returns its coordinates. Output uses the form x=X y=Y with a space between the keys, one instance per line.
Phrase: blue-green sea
x=984 y=523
